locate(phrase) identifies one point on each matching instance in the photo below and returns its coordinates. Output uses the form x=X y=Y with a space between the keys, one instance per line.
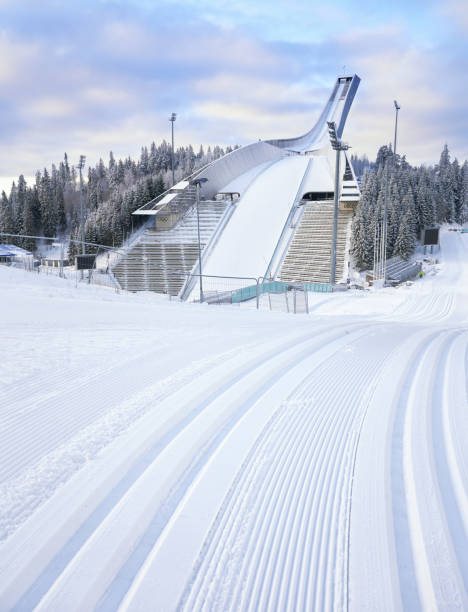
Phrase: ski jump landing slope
x=228 y=459
x=248 y=242
x=246 y=245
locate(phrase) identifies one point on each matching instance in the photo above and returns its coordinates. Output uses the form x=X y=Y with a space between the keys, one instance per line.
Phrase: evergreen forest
x=417 y=197
x=111 y=193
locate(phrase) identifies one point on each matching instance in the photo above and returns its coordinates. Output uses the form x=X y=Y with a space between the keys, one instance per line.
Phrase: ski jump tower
x=266 y=210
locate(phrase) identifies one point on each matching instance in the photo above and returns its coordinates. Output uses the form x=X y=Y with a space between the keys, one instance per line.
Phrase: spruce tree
x=445 y=182
x=47 y=203
x=405 y=242
x=61 y=217
x=29 y=225
x=362 y=241
x=6 y=218
x=463 y=208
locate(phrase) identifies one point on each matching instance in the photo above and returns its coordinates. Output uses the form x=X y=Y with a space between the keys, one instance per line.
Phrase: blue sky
x=105 y=75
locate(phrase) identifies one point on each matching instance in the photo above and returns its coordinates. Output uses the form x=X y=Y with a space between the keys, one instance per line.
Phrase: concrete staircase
x=309 y=253
x=147 y=265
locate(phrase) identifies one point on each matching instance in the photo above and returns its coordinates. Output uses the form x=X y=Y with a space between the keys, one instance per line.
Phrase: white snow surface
x=259 y=218
x=164 y=456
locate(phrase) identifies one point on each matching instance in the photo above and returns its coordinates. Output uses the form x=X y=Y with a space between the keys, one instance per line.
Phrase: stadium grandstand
x=266 y=210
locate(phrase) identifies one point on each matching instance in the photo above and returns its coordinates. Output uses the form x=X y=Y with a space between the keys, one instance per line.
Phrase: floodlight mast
x=80 y=167
x=172 y=118
x=198 y=182
x=338 y=146
x=383 y=237
x=397 y=108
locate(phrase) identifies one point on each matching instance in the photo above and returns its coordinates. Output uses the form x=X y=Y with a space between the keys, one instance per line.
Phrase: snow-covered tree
x=405 y=242
x=6 y=217
x=463 y=204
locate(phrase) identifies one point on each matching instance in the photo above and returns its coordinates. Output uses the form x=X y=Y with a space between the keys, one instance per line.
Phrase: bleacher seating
x=308 y=258
x=155 y=261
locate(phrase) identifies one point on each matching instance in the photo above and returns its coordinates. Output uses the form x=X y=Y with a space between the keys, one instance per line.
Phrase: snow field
x=192 y=457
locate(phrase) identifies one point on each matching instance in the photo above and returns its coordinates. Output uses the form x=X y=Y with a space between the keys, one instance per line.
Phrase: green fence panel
x=250 y=292
x=243 y=294
x=273 y=287
x=319 y=287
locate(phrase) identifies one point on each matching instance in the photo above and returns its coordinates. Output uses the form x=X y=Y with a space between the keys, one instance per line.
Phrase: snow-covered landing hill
x=158 y=455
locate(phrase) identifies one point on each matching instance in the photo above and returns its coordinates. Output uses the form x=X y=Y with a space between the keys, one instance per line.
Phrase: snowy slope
x=162 y=456
x=259 y=218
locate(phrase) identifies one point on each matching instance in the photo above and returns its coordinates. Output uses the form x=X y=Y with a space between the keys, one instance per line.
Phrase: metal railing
x=398 y=270
x=152 y=204
x=287 y=226
x=59 y=265
x=234 y=290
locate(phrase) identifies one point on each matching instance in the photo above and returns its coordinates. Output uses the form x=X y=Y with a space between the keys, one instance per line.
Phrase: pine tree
x=6 y=218
x=61 y=217
x=455 y=172
x=445 y=182
x=405 y=242
x=17 y=209
x=47 y=203
x=362 y=242
x=463 y=208
x=29 y=225
x=144 y=161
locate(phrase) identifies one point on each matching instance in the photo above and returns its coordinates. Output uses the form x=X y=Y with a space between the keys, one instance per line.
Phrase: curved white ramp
x=246 y=245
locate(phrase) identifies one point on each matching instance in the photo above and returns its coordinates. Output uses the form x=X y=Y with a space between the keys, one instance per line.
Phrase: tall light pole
x=385 y=215
x=172 y=118
x=80 y=167
x=338 y=146
x=383 y=238
x=197 y=182
x=397 y=108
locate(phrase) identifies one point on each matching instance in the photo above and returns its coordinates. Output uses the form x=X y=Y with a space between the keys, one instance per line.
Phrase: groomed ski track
x=296 y=463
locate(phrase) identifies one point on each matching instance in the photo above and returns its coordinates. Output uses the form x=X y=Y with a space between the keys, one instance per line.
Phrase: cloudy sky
x=101 y=75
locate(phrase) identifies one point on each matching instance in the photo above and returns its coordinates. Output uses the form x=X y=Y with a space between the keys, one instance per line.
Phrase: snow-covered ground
x=157 y=455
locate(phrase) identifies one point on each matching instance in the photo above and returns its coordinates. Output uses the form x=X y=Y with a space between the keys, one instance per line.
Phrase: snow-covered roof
x=11 y=250
x=167 y=198
x=180 y=186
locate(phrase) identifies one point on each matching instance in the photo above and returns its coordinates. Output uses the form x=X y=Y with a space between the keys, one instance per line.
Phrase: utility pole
x=197 y=182
x=338 y=146
x=172 y=119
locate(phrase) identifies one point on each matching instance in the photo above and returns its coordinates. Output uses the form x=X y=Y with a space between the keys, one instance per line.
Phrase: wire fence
x=51 y=258
x=264 y=293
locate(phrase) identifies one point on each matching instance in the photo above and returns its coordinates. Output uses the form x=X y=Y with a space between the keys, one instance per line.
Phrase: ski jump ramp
x=267 y=181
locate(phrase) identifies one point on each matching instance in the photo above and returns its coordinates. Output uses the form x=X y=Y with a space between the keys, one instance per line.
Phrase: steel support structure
x=172 y=118
x=338 y=145
x=197 y=182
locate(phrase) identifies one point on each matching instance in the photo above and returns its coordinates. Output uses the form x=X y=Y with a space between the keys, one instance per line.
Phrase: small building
x=54 y=263
x=10 y=253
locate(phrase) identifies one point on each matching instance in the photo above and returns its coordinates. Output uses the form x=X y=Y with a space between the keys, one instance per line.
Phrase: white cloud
x=113 y=84
x=457 y=12
x=14 y=57
x=47 y=107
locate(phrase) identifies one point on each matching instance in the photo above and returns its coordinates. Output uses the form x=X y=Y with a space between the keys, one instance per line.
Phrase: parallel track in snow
x=431 y=534
x=279 y=541
x=325 y=468
x=63 y=561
